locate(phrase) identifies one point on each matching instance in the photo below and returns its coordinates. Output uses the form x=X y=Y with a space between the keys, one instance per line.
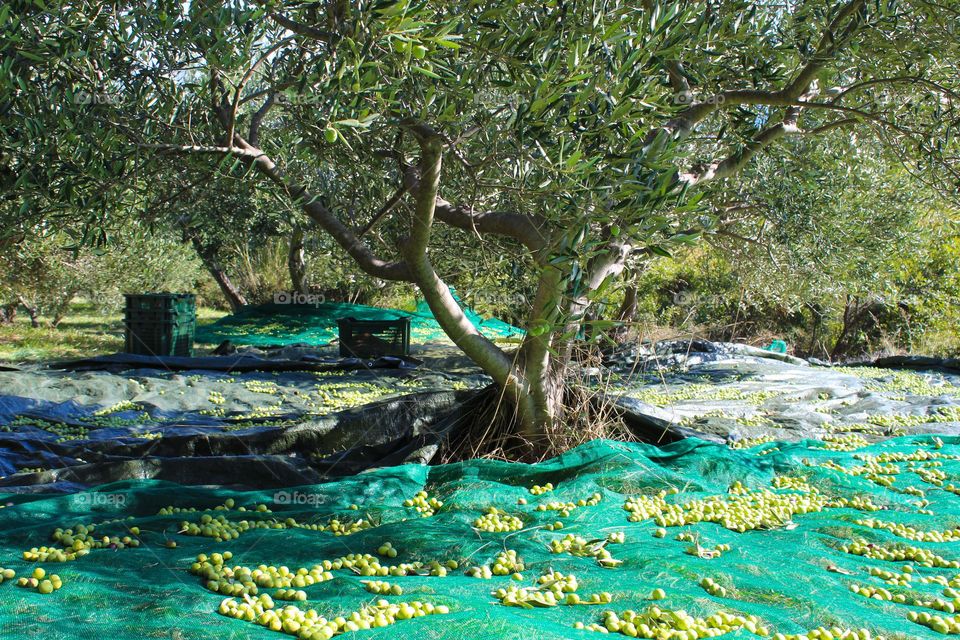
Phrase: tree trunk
x=233 y=296
x=32 y=311
x=8 y=313
x=815 y=347
x=628 y=308
x=852 y=311
x=59 y=312
x=626 y=314
x=545 y=385
x=521 y=377
x=296 y=261
x=537 y=363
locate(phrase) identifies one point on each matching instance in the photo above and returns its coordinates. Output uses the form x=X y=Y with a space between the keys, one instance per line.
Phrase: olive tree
x=583 y=134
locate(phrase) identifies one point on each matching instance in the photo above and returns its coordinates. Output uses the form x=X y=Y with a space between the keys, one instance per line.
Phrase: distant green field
x=83 y=332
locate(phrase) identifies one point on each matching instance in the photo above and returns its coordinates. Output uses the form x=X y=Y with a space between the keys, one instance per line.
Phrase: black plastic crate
x=160 y=307
x=159 y=338
x=374 y=338
x=160 y=324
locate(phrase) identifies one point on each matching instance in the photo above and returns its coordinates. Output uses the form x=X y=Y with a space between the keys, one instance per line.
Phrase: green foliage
x=838 y=258
x=44 y=273
x=556 y=101
x=615 y=125
x=910 y=303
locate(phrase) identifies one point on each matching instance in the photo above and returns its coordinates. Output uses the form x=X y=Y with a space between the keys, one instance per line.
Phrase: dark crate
x=157 y=307
x=159 y=338
x=374 y=338
x=160 y=324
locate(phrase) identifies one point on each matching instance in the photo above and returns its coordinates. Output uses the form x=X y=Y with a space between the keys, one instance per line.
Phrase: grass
x=84 y=332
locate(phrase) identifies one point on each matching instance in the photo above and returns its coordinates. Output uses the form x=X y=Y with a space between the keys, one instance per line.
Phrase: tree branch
x=243 y=82
x=384 y=210
x=442 y=303
x=343 y=235
x=523 y=228
x=329 y=222
x=795 y=96
x=678 y=80
x=737 y=160
x=830 y=43
x=219 y=101
x=299 y=28
x=529 y=230
x=194 y=148
x=839 y=93
x=681 y=125
x=257 y=119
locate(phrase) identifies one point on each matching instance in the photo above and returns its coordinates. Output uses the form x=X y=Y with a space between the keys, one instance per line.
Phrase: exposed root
x=487 y=427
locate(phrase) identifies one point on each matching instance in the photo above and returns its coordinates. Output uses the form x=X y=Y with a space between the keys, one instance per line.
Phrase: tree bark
x=32 y=311
x=626 y=314
x=230 y=292
x=296 y=261
x=233 y=296
x=8 y=313
x=852 y=310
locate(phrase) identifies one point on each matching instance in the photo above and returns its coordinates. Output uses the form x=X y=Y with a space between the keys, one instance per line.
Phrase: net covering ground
x=776 y=535
x=316 y=324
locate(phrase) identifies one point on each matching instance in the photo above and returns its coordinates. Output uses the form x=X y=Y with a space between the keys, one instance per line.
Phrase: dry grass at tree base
x=489 y=430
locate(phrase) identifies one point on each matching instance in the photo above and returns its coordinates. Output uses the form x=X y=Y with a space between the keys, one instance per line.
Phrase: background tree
x=45 y=269
x=825 y=253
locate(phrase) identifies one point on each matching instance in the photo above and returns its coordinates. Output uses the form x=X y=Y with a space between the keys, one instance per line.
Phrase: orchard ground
x=193 y=503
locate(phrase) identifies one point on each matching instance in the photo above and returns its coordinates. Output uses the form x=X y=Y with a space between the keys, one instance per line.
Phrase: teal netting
x=793 y=515
x=316 y=324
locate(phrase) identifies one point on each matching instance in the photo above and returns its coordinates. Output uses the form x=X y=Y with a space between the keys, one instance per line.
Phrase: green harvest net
x=316 y=324
x=789 y=571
